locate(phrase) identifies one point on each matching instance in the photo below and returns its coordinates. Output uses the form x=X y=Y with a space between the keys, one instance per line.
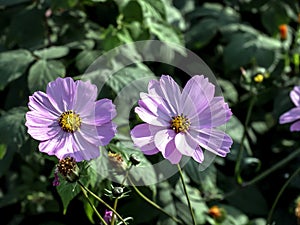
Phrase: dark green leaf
x=253 y=201
x=42 y=72
x=67 y=192
x=27 y=28
x=52 y=52
x=13 y=64
x=229 y=91
x=85 y=58
x=164 y=32
x=3 y=149
x=12 y=126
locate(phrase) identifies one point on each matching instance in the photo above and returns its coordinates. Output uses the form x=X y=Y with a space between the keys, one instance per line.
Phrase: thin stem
x=279 y=195
x=103 y=202
x=186 y=194
x=153 y=203
x=117 y=199
x=92 y=205
x=273 y=168
x=241 y=147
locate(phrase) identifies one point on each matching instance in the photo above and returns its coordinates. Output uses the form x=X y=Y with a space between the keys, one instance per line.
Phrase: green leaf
x=164 y=32
x=42 y=72
x=12 y=136
x=200 y=34
x=235 y=129
x=234 y=215
x=245 y=48
x=274 y=14
x=12 y=126
x=67 y=192
x=144 y=172
x=12 y=2
x=258 y=221
x=27 y=28
x=252 y=202
x=207 y=178
x=52 y=52
x=3 y=149
x=166 y=201
x=229 y=91
x=13 y=64
x=85 y=58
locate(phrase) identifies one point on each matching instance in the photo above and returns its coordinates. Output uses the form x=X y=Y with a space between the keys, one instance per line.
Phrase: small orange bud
x=283 y=29
x=298 y=17
x=215 y=212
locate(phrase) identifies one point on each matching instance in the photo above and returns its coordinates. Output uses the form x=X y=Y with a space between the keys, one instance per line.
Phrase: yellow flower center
x=69 y=121
x=259 y=78
x=180 y=123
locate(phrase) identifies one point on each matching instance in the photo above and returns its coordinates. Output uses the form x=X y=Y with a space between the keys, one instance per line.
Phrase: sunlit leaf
x=13 y=64
x=42 y=72
x=52 y=52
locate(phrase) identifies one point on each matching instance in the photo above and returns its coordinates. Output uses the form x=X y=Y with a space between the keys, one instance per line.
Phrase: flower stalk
x=186 y=194
x=152 y=203
x=103 y=202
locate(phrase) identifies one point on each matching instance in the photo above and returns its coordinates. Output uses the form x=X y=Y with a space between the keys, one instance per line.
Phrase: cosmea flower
x=68 y=121
x=293 y=115
x=181 y=122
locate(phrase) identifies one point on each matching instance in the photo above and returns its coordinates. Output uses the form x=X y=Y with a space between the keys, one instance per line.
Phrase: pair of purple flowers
x=69 y=122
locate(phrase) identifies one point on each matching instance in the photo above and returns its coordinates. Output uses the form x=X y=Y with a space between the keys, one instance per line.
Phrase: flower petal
x=290 y=116
x=171 y=153
x=60 y=145
x=216 y=114
x=185 y=144
x=39 y=102
x=171 y=93
x=106 y=132
x=148 y=117
x=162 y=138
x=103 y=111
x=198 y=155
x=295 y=95
x=83 y=149
x=85 y=95
x=295 y=126
x=143 y=137
x=90 y=133
x=41 y=128
x=200 y=90
x=215 y=141
x=156 y=105
x=61 y=93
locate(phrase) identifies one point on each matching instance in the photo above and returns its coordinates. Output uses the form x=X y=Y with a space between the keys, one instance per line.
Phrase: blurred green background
x=252 y=46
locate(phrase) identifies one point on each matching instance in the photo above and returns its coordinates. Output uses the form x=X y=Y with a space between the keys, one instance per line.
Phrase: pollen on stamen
x=69 y=121
x=180 y=123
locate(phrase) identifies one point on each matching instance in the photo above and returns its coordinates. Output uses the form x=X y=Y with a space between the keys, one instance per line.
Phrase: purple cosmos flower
x=68 y=121
x=293 y=115
x=181 y=122
x=107 y=216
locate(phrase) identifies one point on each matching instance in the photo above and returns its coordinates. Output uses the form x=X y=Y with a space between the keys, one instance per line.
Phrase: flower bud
x=68 y=168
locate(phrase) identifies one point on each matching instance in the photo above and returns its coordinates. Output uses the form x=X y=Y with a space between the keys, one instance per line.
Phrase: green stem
x=237 y=169
x=92 y=205
x=279 y=195
x=153 y=203
x=186 y=194
x=273 y=168
x=117 y=199
x=103 y=202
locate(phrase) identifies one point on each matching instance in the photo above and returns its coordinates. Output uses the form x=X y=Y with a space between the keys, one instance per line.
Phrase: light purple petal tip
x=295 y=95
